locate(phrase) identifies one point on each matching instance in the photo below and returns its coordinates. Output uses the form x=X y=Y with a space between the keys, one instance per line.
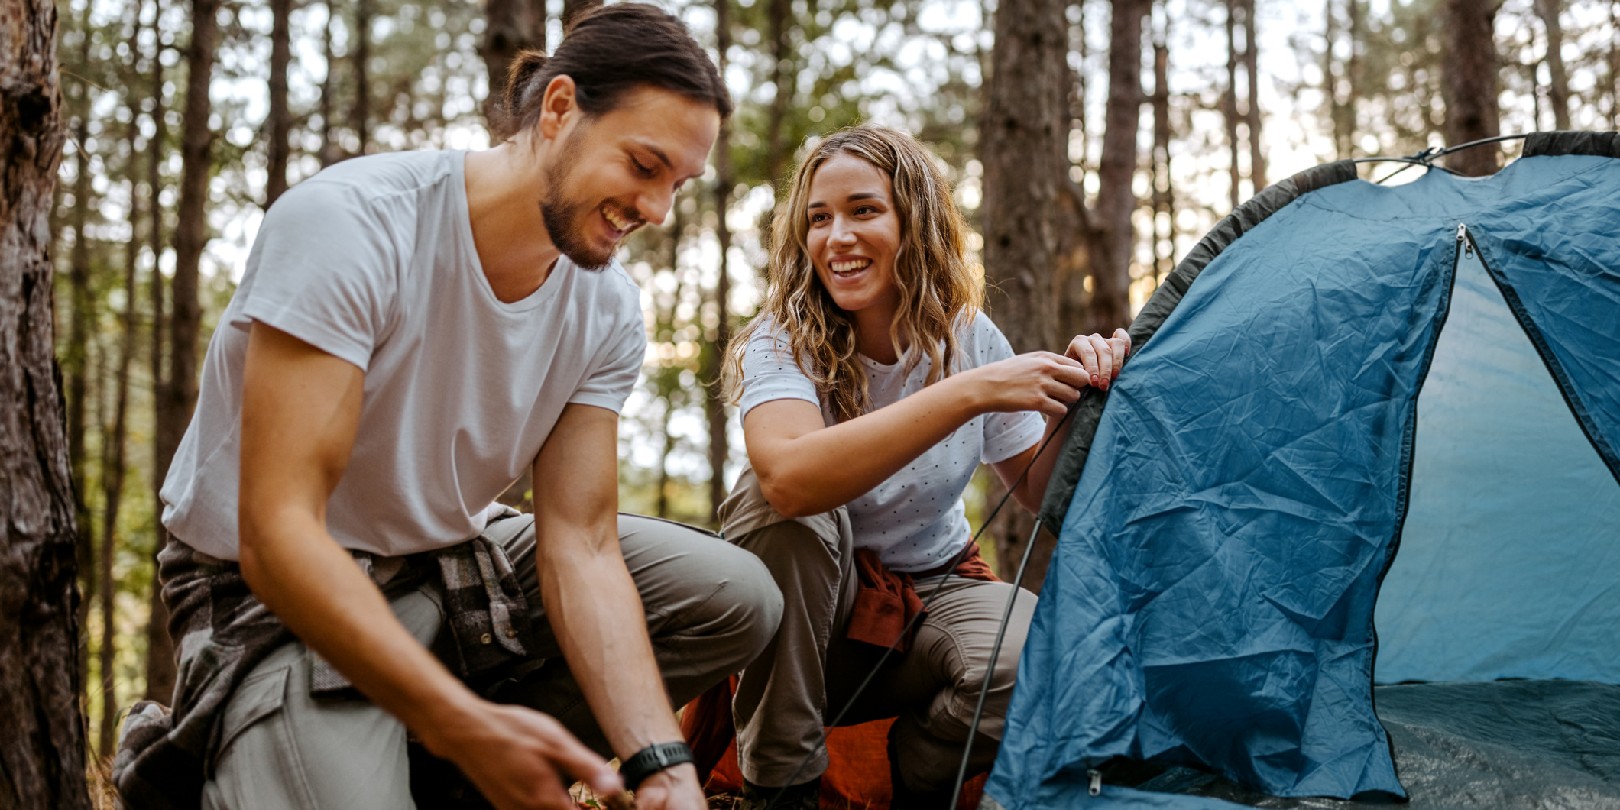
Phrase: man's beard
x=565 y=221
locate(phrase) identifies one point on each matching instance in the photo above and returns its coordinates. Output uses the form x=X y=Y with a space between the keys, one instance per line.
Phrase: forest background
x=1092 y=142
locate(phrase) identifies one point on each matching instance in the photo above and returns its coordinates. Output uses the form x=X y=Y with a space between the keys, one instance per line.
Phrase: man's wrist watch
x=652 y=759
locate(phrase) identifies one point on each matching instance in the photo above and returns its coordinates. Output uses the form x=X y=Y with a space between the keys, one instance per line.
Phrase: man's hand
x=521 y=759
x=674 y=788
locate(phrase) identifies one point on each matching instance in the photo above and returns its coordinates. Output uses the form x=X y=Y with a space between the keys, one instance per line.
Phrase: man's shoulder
x=358 y=184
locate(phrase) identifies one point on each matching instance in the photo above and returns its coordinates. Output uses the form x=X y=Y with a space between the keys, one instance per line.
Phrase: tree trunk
x=1163 y=235
x=1342 y=78
x=329 y=147
x=279 y=147
x=360 y=114
x=511 y=27
x=1072 y=272
x=778 y=19
x=1614 y=64
x=160 y=663
x=1109 y=306
x=1023 y=145
x=1077 y=100
x=1352 y=75
x=1251 y=100
x=1330 y=80
x=714 y=400
x=114 y=445
x=185 y=322
x=1557 y=75
x=42 y=756
x=112 y=488
x=1229 y=108
x=1469 y=84
x=81 y=321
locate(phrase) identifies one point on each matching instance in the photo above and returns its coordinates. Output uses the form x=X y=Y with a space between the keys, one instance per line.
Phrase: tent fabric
x=1442 y=615
x=1528 y=745
x=1228 y=520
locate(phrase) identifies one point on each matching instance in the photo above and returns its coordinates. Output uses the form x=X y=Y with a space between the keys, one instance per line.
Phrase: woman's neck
x=872 y=339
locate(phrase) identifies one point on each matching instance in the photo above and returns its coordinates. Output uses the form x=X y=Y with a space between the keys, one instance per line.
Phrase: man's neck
x=503 y=192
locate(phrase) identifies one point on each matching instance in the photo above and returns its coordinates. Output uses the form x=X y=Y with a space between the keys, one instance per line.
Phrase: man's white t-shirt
x=915 y=520
x=372 y=261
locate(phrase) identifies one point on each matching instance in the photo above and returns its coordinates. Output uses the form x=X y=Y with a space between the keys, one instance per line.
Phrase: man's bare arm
x=301 y=410
x=592 y=603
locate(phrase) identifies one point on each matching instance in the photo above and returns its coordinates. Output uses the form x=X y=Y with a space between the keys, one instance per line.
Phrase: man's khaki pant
x=709 y=609
x=809 y=672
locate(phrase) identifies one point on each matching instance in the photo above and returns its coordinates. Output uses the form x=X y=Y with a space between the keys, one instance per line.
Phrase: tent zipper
x=1463 y=242
x=1095 y=788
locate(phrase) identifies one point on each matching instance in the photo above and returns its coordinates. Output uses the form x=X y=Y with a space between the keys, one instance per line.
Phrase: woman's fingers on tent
x=1101 y=357
x=1122 y=340
x=1120 y=344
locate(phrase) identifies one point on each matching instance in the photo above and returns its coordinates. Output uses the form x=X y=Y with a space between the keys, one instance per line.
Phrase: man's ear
x=557 y=106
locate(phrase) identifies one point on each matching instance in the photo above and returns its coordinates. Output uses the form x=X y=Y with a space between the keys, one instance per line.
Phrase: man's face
x=621 y=169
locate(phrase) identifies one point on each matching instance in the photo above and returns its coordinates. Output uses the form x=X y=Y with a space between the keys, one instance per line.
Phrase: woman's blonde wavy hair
x=938 y=289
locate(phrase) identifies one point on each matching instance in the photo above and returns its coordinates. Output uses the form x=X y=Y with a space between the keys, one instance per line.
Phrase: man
x=412 y=332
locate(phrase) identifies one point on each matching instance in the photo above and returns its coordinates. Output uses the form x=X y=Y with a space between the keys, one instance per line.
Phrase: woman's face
x=854 y=236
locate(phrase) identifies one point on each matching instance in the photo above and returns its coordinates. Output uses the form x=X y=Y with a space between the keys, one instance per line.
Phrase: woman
x=872 y=386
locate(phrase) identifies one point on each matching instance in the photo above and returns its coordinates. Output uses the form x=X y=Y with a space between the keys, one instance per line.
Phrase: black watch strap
x=651 y=760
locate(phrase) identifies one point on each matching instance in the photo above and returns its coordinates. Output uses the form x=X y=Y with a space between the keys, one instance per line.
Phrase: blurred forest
x=1092 y=142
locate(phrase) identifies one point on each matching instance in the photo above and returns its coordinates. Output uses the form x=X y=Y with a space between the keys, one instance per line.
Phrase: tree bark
x=1229 y=108
x=1352 y=74
x=329 y=147
x=714 y=400
x=1614 y=64
x=360 y=114
x=1251 y=100
x=157 y=664
x=1023 y=145
x=157 y=294
x=778 y=19
x=185 y=322
x=42 y=756
x=511 y=27
x=666 y=381
x=1470 y=85
x=1109 y=306
x=81 y=321
x=117 y=436
x=1163 y=235
x=279 y=147
x=1557 y=74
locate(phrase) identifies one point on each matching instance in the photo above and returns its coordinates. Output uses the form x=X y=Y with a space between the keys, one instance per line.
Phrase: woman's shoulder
x=977 y=329
x=980 y=341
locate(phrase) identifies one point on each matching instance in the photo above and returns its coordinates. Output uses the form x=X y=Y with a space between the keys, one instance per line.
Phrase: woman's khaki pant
x=808 y=673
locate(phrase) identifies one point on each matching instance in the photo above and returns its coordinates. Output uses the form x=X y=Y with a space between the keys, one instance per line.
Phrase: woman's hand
x=1101 y=356
x=1037 y=381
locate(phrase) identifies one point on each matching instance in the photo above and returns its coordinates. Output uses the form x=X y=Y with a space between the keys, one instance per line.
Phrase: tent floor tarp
x=1528 y=745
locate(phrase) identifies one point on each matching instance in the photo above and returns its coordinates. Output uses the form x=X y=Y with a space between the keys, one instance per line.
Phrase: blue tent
x=1352 y=407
